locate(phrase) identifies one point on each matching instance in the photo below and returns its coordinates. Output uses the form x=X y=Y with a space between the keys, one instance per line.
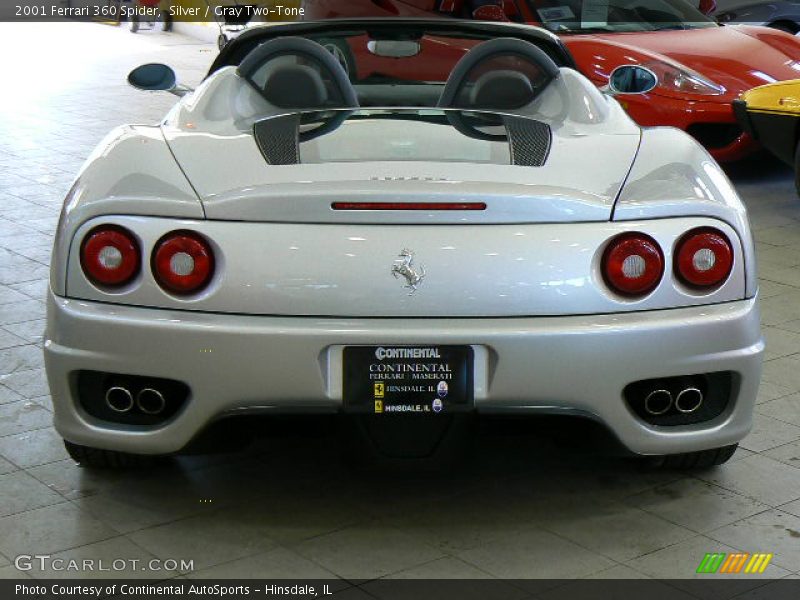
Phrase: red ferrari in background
x=700 y=66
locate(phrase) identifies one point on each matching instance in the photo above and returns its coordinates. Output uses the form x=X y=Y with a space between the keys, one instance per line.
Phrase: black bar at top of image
x=733 y=588
x=187 y=11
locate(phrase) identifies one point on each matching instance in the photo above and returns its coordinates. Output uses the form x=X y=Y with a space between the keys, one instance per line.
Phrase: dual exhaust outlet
x=148 y=400
x=660 y=401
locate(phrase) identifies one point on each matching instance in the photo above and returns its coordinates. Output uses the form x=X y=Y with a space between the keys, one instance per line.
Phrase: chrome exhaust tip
x=658 y=402
x=689 y=400
x=150 y=401
x=119 y=399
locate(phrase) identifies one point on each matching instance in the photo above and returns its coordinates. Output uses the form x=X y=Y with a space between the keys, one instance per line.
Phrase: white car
x=498 y=238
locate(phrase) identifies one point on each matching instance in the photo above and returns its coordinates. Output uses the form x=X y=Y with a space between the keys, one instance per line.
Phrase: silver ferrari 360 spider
x=457 y=222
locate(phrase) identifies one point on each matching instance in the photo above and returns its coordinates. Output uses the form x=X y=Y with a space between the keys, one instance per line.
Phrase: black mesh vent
x=278 y=139
x=530 y=141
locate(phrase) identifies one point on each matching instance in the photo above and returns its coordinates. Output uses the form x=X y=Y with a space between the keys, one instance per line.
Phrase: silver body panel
x=345 y=270
x=296 y=281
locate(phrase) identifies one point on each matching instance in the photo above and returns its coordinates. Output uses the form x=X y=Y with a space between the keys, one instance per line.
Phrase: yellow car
x=771 y=114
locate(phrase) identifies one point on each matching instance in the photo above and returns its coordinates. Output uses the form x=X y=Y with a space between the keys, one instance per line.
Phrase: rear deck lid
x=354 y=166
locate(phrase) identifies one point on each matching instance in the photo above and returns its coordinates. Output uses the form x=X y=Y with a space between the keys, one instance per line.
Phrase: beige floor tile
x=770 y=391
x=19 y=312
x=380 y=550
x=133 y=505
x=779 y=342
x=25 y=415
x=740 y=453
x=50 y=529
x=10 y=572
x=696 y=504
x=785 y=409
x=477 y=520
x=31 y=332
x=27 y=384
x=618 y=531
x=783 y=371
x=73 y=481
x=8 y=395
x=33 y=448
x=535 y=554
x=20 y=492
x=788 y=454
x=771 y=531
x=764 y=479
x=278 y=563
x=618 y=572
x=443 y=568
x=208 y=540
x=293 y=518
x=784 y=308
x=9 y=340
x=769 y=433
x=7 y=467
x=444 y=578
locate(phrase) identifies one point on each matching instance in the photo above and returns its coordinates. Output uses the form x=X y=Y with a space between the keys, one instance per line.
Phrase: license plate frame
x=419 y=380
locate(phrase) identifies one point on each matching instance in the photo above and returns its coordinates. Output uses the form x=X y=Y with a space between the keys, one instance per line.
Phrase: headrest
x=501 y=90
x=295 y=86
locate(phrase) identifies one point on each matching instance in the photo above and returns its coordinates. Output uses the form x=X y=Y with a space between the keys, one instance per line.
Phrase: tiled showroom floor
x=289 y=508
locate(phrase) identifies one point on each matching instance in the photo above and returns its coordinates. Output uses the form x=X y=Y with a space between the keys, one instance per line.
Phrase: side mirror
x=490 y=12
x=394 y=49
x=155 y=77
x=632 y=79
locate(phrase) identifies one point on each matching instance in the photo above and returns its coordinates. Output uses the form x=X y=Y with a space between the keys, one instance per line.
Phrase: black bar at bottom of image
x=733 y=588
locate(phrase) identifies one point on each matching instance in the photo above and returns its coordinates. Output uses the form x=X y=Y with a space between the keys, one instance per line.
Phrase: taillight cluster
x=182 y=261
x=633 y=263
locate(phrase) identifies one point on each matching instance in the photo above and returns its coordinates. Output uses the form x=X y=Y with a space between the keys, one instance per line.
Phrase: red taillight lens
x=703 y=258
x=183 y=262
x=110 y=256
x=633 y=264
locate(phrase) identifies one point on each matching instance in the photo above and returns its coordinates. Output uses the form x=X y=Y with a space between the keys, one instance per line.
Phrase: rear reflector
x=110 y=256
x=704 y=258
x=183 y=262
x=408 y=206
x=633 y=264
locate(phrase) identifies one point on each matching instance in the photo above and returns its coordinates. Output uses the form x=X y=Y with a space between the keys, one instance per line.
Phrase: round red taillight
x=110 y=256
x=183 y=262
x=703 y=258
x=633 y=264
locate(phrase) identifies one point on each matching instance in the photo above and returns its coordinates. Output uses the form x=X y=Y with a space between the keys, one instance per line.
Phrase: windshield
x=592 y=16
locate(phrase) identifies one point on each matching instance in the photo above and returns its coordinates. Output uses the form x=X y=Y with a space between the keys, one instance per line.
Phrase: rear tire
x=107 y=459
x=704 y=459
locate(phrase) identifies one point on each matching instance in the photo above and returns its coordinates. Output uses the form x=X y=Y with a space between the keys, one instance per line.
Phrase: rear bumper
x=235 y=363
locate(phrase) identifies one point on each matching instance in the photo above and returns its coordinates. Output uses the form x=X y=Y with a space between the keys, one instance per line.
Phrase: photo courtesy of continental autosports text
x=400 y=299
x=171 y=590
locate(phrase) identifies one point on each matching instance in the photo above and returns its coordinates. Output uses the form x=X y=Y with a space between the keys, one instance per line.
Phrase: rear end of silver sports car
x=519 y=246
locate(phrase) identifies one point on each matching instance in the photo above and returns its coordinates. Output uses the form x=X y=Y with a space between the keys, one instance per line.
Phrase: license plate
x=426 y=380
